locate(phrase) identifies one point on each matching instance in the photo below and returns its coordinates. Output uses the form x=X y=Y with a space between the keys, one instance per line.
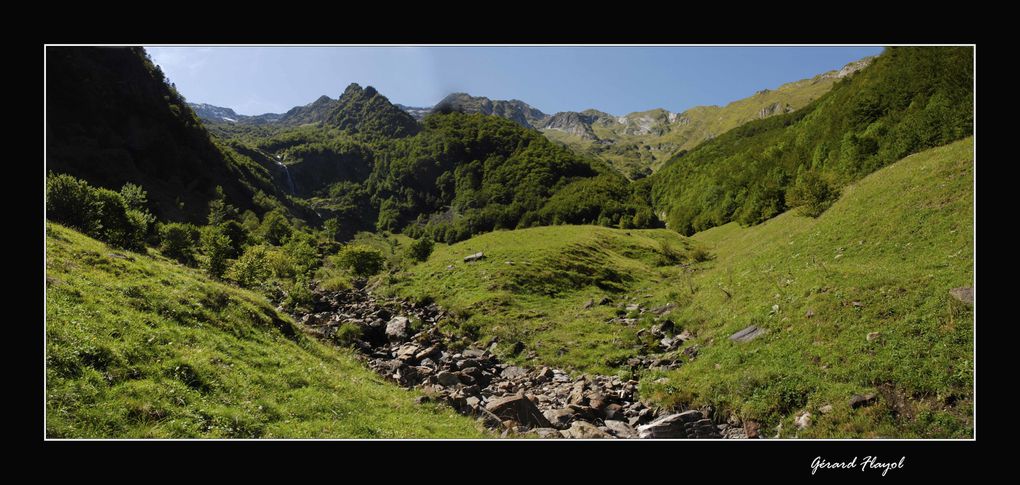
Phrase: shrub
x=275 y=228
x=299 y=295
x=116 y=226
x=420 y=249
x=217 y=248
x=72 y=203
x=252 y=268
x=812 y=193
x=360 y=259
x=178 y=241
x=238 y=237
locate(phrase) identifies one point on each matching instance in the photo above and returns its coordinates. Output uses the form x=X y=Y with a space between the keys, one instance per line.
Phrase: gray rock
x=857 y=400
x=621 y=429
x=748 y=334
x=397 y=328
x=513 y=372
x=474 y=257
x=548 y=433
x=964 y=294
x=581 y=430
x=447 y=379
x=680 y=425
x=520 y=409
x=560 y=418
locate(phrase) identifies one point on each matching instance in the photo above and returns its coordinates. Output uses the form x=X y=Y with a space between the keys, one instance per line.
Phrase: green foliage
x=275 y=228
x=420 y=249
x=361 y=260
x=72 y=202
x=178 y=241
x=812 y=194
x=909 y=99
x=217 y=247
x=219 y=210
x=331 y=228
x=252 y=269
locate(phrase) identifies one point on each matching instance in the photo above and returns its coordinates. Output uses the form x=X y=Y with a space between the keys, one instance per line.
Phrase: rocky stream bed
x=402 y=342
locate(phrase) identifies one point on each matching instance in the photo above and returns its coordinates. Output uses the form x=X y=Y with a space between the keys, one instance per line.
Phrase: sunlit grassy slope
x=882 y=259
x=539 y=298
x=138 y=346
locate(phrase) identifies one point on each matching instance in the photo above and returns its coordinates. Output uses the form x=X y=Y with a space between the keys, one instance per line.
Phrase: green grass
x=538 y=299
x=141 y=347
x=896 y=242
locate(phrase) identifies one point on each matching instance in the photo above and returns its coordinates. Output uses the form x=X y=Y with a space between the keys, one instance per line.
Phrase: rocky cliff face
x=514 y=110
x=573 y=123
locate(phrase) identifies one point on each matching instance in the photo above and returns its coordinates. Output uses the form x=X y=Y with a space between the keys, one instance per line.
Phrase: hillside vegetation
x=140 y=347
x=908 y=100
x=881 y=259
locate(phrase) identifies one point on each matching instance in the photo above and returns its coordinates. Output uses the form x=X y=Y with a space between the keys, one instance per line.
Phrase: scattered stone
x=748 y=334
x=856 y=304
x=809 y=314
x=520 y=409
x=513 y=372
x=548 y=433
x=584 y=431
x=964 y=294
x=857 y=400
x=588 y=304
x=621 y=429
x=826 y=409
x=752 y=429
x=474 y=257
x=447 y=379
x=396 y=328
x=688 y=424
x=803 y=421
x=560 y=418
x=872 y=336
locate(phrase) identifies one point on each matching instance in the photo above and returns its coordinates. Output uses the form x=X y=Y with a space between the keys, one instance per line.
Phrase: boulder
x=964 y=294
x=857 y=400
x=513 y=372
x=447 y=379
x=681 y=425
x=520 y=409
x=803 y=421
x=748 y=334
x=474 y=257
x=547 y=433
x=621 y=429
x=397 y=328
x=581 y=430
x=560 y=418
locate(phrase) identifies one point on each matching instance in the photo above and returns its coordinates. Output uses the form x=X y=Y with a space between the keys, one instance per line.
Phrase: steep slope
x=112 y=119
x=366 y=111
x=909 y=99
x=140 y=347
x=854 y=302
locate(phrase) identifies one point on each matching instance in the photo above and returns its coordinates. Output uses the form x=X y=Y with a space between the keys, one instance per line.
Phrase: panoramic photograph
x=509 y=242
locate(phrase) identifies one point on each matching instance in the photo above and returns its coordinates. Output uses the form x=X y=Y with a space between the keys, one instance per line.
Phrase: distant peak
x=370 y=91
x=353 y=88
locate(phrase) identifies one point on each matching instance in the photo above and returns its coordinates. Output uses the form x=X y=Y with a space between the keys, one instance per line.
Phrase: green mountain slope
x=882 y=259
x=137 y=346
x=111 y=119
x=909 y=99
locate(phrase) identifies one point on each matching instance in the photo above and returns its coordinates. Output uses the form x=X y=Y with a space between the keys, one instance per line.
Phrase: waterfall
x=290 y=181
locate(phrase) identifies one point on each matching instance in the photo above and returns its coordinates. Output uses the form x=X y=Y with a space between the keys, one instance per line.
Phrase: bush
x=275 y=228
x=118 y=225
x=299 y=296
x=812 y=193
x=420 y=249
x=72 y=203
x=178 y=241
x=217 y=248
x=238 y=237
x=252 y=268
x=304 y=257
x=360 y=259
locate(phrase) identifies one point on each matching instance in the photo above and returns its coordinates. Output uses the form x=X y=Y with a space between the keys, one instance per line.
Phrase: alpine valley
x=796 y=264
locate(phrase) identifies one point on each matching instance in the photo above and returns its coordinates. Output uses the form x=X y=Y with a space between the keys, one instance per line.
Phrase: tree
x=119 y=226
x=252 y=268
x=275 y=228
x=360 y=259
x=72 y=202
x=219 y=210
x=420 y=249
x=216 y=246
x=178 y=242
x=812 y=193
x=332 y=228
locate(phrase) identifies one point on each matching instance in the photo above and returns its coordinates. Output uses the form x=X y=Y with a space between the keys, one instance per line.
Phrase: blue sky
x=618 y=80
